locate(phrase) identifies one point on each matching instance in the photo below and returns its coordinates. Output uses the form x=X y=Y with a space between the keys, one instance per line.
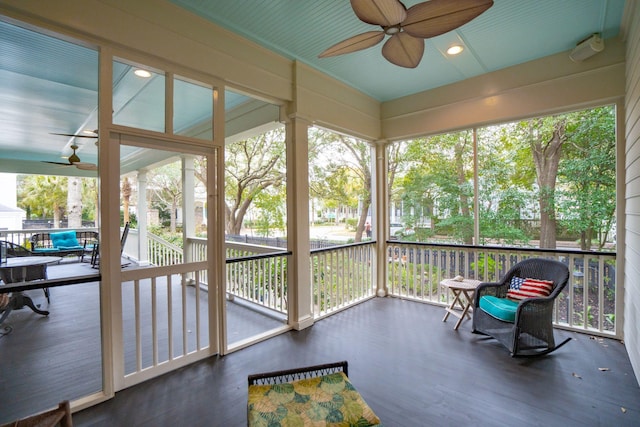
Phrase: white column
x=188 y=204
x=299 y=278
x=382 y=216
x=143 y=251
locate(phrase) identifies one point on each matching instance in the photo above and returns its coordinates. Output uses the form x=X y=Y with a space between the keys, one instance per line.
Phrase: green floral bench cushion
x=329 y=400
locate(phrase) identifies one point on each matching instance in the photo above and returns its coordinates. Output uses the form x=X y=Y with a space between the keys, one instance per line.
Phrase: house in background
x=11 y=216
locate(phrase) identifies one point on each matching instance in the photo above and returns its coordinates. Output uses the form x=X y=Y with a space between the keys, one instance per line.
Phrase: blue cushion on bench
x=500 y=308
x=44 y=250
x=70 y=248
x=64 y=240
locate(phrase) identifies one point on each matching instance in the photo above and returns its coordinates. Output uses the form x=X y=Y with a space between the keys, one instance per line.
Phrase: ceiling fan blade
x=58 y=163
x=435 y=17
x=354 y=44
x=74 y=135
x=379 y=12
x=86 y=166
x=404 y=50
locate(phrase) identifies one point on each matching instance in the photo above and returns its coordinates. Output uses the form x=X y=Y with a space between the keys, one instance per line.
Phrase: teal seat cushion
x=70 y=248
x=64 y=240
x=500 y=308
x=44 y=250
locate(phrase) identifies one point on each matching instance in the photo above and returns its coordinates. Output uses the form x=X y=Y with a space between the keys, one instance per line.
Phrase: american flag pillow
x=520 y=288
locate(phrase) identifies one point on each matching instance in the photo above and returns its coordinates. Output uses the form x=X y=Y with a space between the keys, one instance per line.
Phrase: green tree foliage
x=588 y=176
x=45 y=196
x=506 y=185
x=546 y=136
x=531 y=174
x=270 y=209
x=90 y=200
x=340 y=173
x=251 y=167
x=165 y=185
x=437 y=183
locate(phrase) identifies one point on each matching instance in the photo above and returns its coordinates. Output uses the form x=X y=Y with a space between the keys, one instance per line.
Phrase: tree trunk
x=546 y=155
x=74 y=202
x=56 y=216
x=586 y=237
x=362 y=220
x=126 y=197
x=174 y=208
x=462 y=180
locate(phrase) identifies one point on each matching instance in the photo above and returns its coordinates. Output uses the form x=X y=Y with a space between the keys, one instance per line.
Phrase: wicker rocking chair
x=525 y=327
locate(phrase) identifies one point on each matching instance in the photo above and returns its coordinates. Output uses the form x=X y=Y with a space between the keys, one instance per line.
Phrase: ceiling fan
x=407 y=27
x=73 y=159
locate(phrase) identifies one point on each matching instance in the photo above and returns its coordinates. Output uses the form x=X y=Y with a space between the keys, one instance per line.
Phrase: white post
x=188 y=205
x=299 y=278
x=143 y=250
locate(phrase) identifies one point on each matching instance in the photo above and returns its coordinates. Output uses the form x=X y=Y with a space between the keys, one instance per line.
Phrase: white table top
x=25 y=261
x=460 y=284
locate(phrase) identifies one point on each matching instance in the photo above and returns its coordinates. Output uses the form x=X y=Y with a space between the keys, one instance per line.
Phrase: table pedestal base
x=17 y=301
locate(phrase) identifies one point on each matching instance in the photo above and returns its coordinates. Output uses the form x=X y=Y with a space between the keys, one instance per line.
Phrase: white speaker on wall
x=587 y=48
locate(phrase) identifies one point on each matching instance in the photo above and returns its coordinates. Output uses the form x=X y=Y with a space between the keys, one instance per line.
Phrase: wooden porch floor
x=44 y=359
x=412 y=369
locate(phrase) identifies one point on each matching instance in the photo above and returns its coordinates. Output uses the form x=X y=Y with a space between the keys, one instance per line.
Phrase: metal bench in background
x=64 y=243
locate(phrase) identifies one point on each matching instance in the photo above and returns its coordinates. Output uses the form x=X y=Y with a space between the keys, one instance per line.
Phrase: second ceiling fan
x=407 y=27
x=74 y=159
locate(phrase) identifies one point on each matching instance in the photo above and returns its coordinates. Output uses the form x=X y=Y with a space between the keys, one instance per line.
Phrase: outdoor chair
x=95 y=254
x=33 y=273
x=60 y=416
x=518 y=310
x=14 y=250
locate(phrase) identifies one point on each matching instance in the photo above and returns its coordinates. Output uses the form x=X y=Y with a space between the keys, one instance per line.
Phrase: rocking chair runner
x=525 y=328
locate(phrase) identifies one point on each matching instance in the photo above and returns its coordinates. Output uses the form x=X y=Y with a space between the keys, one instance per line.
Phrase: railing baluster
x=170 y=316
x=185 y=329
x=138 y=331
x=154 y=321
x=197 y=310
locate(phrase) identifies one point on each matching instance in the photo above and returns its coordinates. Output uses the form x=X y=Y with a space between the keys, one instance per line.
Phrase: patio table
x=463 y=291
x=21 y=269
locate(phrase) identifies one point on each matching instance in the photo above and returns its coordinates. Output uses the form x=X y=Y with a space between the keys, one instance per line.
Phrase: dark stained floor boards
x=411 y=368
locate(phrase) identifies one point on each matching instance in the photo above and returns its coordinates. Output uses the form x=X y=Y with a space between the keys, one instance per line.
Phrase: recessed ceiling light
x=455 y=49
x=142 y=73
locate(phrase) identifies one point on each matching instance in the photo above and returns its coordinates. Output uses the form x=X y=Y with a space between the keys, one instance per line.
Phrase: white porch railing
x=163 y=253
x=258 y=274
x=250 y=275
x=342 y=276
x=587 y=304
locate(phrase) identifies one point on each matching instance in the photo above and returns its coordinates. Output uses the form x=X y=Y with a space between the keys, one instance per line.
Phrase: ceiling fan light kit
x=407 y=27
x=587 y=48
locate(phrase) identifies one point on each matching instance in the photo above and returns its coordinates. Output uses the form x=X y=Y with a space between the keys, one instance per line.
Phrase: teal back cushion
x=64 y=239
